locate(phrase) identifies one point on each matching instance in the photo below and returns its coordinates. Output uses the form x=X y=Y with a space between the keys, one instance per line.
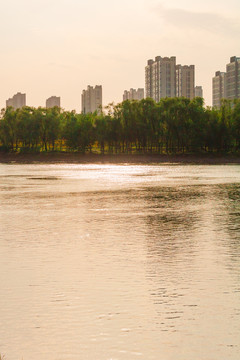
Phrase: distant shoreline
x=76 y=158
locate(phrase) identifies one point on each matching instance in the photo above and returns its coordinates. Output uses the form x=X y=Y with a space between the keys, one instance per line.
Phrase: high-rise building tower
x=185 y=81
x=92 y=99
x=17 y=101
x=233 y=78
x=218 y=89
x=53 y=101
x=198 y=91
x=160 y=78
x=133 y=94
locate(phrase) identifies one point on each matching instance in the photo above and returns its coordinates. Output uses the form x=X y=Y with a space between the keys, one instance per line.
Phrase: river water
x=119 y=262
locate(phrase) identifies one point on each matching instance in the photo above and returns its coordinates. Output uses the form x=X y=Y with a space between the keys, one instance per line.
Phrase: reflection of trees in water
x=229 y=219
x=173 y=221
x=173 y=230
x=189 y=222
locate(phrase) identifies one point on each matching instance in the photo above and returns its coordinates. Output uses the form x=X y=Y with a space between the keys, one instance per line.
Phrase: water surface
x=114 y=262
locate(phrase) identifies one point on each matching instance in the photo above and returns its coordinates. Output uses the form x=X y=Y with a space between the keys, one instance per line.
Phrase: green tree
x=236 y=123
x=8 y=129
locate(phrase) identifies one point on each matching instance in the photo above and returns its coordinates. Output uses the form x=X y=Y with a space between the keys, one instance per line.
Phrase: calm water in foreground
x=120 y=262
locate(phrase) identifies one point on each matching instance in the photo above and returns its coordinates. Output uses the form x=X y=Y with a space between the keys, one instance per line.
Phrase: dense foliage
x=171 y=126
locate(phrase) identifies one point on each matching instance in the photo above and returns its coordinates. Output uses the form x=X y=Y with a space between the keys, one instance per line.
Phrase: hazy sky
x=58 y=47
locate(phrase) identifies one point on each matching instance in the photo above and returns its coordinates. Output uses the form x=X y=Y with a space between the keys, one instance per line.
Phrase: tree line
x=173 y=125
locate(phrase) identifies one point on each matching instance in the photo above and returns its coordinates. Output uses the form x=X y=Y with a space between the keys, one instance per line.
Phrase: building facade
x=92 y=99
x=160 y=78
x=226 y=84
x=133 y=94
x=218 y=89
x=233 y=78
x=185 y=81
x=198 y=91
x=53 y=101
x=17 y=101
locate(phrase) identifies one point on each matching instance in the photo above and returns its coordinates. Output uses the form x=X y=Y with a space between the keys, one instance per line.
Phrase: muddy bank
x=76 y=158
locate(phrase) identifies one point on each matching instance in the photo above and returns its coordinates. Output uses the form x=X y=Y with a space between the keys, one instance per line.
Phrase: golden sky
x=58 y=47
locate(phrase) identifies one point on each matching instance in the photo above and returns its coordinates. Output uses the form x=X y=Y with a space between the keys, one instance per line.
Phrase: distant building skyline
x=17 y=101
x=92 y=99
x=53 y=101
x=133 y=94
x=160 y=83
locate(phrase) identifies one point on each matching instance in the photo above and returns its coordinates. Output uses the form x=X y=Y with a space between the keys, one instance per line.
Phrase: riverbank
x=76 y=158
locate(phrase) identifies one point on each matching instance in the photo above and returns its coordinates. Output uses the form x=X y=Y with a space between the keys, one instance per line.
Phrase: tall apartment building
x=133 y=94
x=226 y=84
x=53 y=101
x=198 y=91
x=160 y=78
x=185 y=81
x=92 y=99
x=233 y=78
x=218 y=88
x=17 y=101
